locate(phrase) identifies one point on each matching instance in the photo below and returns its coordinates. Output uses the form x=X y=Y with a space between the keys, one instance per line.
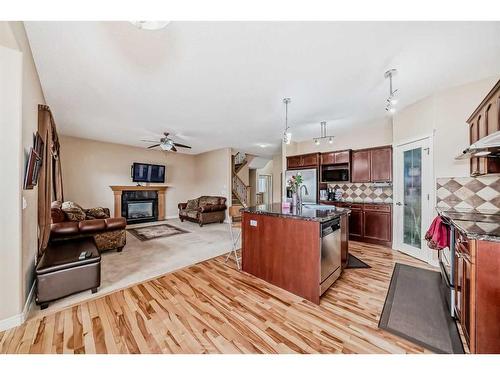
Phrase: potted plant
x=294 y=184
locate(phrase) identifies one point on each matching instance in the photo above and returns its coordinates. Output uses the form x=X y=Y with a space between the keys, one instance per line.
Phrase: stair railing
x=240 y=190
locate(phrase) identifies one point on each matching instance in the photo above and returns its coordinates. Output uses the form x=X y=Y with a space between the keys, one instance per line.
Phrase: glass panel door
x=412 y=197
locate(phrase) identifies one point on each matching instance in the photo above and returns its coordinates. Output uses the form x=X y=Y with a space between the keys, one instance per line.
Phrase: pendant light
x=324 y=135
x=287 y=135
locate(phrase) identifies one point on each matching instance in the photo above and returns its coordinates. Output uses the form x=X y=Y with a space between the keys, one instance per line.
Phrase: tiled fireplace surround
x=478 y=193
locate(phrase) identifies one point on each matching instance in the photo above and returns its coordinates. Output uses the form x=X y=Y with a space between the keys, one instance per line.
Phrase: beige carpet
x=143 y=260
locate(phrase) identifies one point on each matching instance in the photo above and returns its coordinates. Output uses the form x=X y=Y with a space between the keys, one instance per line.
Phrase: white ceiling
x=221 y=84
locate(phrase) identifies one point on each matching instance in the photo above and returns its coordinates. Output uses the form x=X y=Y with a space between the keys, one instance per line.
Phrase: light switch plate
x=253 y=223
x=25 y=203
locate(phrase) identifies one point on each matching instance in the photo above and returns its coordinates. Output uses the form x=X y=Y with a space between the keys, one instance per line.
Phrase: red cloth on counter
x=438 y=235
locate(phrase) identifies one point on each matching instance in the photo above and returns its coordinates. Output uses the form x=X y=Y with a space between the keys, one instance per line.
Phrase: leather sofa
x=109 y=233
x=203 y=210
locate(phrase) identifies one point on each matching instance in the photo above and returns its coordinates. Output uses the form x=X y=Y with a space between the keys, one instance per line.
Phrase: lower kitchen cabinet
x=477 y=293
x=378 y=226
x=370 y=222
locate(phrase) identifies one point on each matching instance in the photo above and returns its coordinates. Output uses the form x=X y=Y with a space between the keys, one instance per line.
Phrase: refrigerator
x=310 y=180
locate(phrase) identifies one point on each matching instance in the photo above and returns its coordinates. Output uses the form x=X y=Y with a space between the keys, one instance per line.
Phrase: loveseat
x=203 y=210
x=71 y=221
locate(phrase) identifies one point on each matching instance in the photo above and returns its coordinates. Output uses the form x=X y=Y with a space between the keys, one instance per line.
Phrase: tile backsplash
x=479 y=193
x=364 y=192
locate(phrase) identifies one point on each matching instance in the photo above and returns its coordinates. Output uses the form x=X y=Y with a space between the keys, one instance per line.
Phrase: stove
x=473 y=223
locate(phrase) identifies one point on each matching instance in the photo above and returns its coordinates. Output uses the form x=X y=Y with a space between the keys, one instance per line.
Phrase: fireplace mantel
x=119 y=189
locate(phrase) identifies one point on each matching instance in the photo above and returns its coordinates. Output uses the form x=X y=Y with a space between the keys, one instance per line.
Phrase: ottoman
x=60 y=273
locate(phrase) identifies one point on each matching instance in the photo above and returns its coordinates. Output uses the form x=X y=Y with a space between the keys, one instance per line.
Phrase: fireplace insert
x=140 y=206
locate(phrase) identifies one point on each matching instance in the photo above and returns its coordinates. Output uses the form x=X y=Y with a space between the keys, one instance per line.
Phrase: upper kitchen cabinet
x=336 y=157
x=372 y=165
x=381 y=164
x=361 y=166
x=303 y=161
x=485 y=120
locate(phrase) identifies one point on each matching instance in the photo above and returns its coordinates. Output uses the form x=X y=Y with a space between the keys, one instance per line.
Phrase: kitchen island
x=300 y=249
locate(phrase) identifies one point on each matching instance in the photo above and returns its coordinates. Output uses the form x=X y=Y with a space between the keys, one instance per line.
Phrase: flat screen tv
x=148 y=173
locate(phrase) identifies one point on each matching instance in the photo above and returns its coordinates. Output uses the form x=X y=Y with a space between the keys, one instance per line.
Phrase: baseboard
x=19 y=319
x=11 y=322
x=29 y=302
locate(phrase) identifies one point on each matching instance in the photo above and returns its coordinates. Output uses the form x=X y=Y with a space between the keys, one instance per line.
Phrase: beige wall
x=90 y=167
x=11 y=171
x=213 y=174
x=370 y=134
x=444 y=113
x=277 y=171
x=13 y=35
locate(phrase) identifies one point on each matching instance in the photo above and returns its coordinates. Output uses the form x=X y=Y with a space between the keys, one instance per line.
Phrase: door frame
x=269 y=178
x=428 y=184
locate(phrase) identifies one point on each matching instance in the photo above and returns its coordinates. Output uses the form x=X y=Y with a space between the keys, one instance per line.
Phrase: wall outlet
x=253 y=223
x=24 y=203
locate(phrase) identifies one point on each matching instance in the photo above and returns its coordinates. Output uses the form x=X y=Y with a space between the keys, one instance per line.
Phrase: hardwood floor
x=210 y=307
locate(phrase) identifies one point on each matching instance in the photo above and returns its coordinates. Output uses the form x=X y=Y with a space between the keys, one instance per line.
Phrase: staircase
x=239 y=189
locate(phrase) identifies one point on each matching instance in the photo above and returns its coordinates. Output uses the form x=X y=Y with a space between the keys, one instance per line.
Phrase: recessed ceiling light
x=262 y=145
x=150 y=25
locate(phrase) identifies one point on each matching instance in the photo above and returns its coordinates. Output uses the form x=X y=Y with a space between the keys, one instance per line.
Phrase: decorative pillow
x=209 y=200
x=192 y=204
x=96 y=213
x=73 y=211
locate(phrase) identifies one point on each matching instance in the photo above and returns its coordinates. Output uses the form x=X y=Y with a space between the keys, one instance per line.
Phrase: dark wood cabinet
x=356 y=222
x=344 y=240
x=361 y=166
x=303 y=161
x=377 y=225
x=381 y=164
x=477 y=292
x=328 y=158
x=485 y=120
x=372 y=165
x=370 y=223
x=293 y=162
x=336 y=157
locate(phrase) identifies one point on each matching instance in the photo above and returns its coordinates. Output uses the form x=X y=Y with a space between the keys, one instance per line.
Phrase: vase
x=295 y=199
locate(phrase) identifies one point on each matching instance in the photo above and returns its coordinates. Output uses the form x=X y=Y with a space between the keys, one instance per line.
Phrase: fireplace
x=140 y=206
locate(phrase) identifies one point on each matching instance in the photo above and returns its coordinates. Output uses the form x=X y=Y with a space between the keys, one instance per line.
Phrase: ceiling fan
x=166 y=143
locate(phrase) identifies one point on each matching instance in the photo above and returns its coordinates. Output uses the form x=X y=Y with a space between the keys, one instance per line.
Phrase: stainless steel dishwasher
x=330 y=253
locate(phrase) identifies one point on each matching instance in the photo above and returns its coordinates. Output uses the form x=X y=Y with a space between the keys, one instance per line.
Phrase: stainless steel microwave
x=334 y=173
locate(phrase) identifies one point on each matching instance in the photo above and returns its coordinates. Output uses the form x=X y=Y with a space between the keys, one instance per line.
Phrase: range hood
x=488 y=146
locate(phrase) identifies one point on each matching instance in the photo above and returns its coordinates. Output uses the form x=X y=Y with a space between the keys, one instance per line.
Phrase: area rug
x=415 y=310
x=354 y=262
x=156 y=231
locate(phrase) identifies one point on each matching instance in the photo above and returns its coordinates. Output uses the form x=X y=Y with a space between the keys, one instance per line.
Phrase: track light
x=391 y=99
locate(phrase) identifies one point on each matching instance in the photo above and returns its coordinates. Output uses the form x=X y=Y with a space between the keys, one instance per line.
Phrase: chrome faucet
x=300 y=192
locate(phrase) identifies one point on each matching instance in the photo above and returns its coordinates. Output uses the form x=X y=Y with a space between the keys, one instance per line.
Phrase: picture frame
x=33 y=167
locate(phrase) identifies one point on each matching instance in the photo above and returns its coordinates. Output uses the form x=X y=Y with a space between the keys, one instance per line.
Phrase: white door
x=413 y=172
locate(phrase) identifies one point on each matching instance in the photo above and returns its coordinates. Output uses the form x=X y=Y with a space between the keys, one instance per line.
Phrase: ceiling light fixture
x=287 y=135
x=150 y=25
x=317 y=141
x=391 y=99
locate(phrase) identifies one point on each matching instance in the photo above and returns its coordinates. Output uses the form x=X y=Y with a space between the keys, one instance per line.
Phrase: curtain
x=50 y=179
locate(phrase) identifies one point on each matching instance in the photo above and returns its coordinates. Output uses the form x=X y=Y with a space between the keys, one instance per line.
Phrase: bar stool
x=235 y=231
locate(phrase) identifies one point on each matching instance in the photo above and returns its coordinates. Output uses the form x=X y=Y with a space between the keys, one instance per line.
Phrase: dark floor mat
x=415 y=310
x=354 y=262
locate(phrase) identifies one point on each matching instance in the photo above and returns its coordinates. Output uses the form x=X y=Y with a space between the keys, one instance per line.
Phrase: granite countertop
x=306 y=212
x=352 y=202
x=475 y=224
